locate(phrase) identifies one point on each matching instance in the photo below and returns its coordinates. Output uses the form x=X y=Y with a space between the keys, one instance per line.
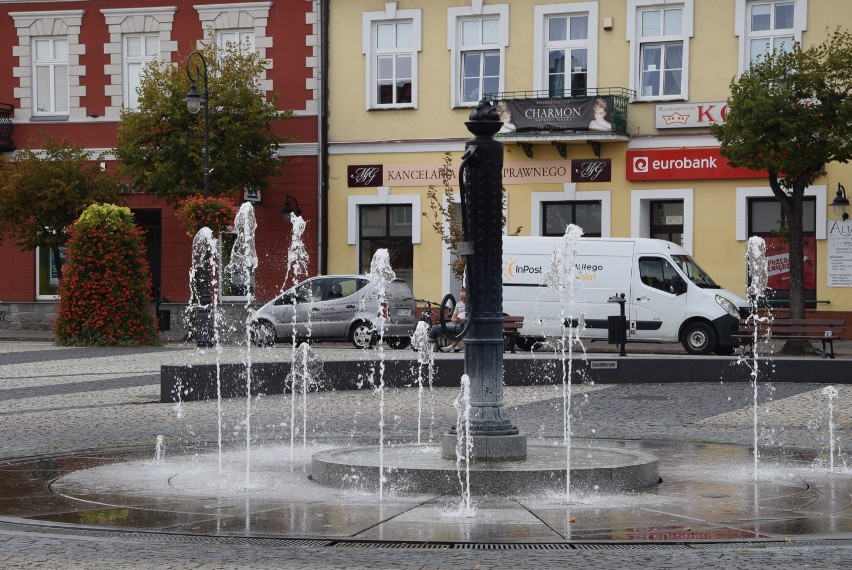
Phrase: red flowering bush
x=104 y=293
x=197 y=212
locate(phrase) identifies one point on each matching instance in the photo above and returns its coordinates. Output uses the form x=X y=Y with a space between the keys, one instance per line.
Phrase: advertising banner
x=398 y=175
x=556 y=114
x=690 y=115
x=778 y=263
x=839 y=241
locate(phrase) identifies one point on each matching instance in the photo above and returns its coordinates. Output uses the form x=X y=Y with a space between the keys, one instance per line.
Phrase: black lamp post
x=840 y=204
x=194 y=103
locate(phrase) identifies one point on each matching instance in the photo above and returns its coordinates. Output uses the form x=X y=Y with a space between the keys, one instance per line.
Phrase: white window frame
x=55 y=67
x=634 y=36
x=131 y=98
x=745 y=193
x=742 y=26
x=241 y=37
x=540 y=60
x=640 y=212
x=382 y=197
x=570 y=194
x=455 y=17
x=40 y=296
x=369 y=27
x=30 y=26
x=122 y=22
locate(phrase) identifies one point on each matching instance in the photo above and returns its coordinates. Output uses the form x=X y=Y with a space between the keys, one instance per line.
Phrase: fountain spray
x=758 y=279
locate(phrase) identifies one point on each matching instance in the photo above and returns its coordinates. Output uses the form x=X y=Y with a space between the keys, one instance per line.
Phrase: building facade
x=68 y=70
x=607 y=106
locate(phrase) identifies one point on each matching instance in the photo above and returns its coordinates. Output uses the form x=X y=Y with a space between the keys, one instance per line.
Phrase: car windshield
x=694 y=272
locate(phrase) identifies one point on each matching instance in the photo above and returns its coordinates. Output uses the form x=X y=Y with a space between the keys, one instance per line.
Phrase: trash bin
x=617 y=325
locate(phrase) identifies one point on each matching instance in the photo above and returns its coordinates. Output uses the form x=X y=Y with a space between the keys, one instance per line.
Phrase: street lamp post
x=194 y=103
x=203 y=287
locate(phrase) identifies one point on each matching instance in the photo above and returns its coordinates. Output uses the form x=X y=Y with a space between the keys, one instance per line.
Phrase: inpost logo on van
x=512 y=269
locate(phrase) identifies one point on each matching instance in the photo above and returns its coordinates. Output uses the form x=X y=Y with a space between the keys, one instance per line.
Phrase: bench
x=511 y=326
x=823 y=330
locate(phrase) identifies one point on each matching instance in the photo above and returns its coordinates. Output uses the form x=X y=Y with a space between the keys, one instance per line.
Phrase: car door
x=340 y=305
x=310 y=307
x=656 y=310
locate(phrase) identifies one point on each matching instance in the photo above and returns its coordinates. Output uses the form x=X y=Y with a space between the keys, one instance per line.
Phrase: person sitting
x=454 y=326
x=336 y=291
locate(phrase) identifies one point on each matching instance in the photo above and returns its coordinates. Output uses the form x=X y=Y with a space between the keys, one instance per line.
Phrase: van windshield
x=694 y=272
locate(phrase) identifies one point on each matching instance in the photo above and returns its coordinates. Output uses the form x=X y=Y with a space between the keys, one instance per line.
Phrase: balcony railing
x=6 y=127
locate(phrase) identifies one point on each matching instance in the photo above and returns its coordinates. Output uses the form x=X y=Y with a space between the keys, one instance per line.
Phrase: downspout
x=322 y=136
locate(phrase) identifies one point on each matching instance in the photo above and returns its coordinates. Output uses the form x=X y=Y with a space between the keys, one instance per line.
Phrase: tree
x=104 y=299
x=790 y=114
x=161 y=144
x=41 y=194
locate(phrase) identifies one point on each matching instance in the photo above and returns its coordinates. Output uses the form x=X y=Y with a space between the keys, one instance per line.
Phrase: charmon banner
x=556 y=114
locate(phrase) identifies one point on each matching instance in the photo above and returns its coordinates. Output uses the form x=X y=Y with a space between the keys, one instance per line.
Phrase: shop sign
x=839 y=240
x=591 y=170
x=556 y=114
x=684 y=164
x=398 y=175
x=690 y=115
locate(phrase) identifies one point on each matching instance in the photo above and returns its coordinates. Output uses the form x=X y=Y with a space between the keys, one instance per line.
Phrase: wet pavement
x=79 y=484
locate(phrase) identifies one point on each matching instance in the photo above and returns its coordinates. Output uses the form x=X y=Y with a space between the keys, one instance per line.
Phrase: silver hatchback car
x=337 y=307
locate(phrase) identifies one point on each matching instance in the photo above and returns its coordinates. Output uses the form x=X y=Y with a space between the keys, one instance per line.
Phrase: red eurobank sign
x=683 y=164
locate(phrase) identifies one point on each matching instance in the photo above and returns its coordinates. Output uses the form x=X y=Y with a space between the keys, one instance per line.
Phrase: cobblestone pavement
x=61 y=400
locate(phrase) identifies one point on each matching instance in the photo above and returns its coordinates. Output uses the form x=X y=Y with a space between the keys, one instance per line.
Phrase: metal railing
x=6 y=127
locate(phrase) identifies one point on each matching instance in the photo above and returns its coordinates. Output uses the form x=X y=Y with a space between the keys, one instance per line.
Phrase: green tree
x=161 y=144
x=104 y=299
x=790 y=113
x=42 y=193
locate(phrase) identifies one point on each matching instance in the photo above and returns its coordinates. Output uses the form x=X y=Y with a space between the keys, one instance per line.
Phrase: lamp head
x=288 y=208
x=193 y=100
x=840 y=204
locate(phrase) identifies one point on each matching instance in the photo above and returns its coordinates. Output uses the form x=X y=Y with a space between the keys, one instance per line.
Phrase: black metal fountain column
x=494 y=437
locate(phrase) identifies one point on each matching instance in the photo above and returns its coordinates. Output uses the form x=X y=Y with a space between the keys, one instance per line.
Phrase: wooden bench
x=823 y=330
x=511 y=326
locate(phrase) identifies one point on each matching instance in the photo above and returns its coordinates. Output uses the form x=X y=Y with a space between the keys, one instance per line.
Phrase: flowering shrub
x=104 y=293
x=197 y=212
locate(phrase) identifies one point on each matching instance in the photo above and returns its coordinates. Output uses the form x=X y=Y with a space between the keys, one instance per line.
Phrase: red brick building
x=69 y=67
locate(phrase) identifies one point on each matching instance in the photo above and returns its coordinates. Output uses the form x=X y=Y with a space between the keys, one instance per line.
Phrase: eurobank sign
x=683 y=164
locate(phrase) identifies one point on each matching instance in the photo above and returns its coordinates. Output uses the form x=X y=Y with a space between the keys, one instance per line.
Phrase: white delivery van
x=668 y=297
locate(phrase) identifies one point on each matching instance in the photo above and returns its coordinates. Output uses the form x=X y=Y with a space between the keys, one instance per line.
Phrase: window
x=242 y=40
x=50 y=63
x=770 y=28
x=47 y=276
x=566 y=46
x=659 y=33
x=139 y=51
x=477 y=41
x=557 y=216
x=390 y=43
x=657 y=273
x=387 y=227
x=767 y=218
x=764 y=26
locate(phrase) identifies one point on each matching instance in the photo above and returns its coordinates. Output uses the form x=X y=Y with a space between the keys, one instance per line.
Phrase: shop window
x=667 y=220
x=557 y=215
x=387 y=227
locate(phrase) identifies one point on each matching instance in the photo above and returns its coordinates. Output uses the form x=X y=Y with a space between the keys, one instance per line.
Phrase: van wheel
x=263 y=334
x=398 y=341
x=361 y=335
x=699 y=338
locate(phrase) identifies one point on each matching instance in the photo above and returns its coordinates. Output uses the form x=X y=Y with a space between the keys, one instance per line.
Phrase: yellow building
x=403 y=77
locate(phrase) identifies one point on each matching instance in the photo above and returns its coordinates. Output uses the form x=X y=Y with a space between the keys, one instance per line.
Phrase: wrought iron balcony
x=591 y=115
x=6 y=127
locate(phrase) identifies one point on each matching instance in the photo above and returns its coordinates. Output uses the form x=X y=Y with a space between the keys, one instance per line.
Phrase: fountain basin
x=413 y=468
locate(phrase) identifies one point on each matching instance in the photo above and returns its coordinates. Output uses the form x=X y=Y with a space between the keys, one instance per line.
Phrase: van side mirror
x=678 y=285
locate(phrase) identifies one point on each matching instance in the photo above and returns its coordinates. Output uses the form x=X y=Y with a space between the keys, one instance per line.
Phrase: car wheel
x=362 y=335
x=263 y=334
x=699 y=338
x=398 y=342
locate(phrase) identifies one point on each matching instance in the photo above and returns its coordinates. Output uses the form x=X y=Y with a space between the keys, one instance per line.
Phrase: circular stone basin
x=413 y=468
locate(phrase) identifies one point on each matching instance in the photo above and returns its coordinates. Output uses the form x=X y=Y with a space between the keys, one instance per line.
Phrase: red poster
x=778 y=263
